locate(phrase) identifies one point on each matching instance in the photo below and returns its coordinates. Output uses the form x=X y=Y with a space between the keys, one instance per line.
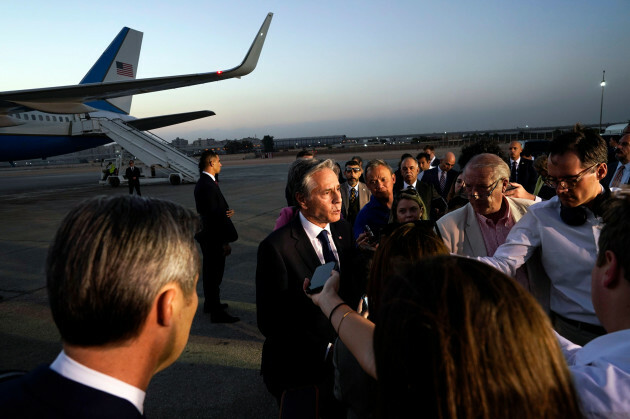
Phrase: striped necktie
x=617 y=179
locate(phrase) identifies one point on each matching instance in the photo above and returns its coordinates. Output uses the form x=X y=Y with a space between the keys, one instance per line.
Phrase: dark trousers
x=133 y=185
x=213 y=267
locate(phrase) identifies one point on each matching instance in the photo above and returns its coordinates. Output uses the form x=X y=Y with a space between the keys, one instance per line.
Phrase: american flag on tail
x=124 y=69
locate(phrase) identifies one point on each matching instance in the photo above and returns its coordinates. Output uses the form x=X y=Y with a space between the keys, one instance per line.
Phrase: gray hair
x=110 y=258
x=372 y=164
x=500 y=168
x=301 y=175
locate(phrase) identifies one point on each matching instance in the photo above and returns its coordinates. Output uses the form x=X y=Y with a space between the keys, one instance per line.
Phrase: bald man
x=443 y=176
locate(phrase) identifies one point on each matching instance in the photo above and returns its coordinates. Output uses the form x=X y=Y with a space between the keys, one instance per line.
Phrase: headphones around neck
x=576 y=216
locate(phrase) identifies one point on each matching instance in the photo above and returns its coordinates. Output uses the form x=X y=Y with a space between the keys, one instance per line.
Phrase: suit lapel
x=303 y=245
x=472 y=234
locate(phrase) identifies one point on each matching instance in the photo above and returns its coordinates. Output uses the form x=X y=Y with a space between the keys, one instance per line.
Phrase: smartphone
x=370 y=234
x=320 y=276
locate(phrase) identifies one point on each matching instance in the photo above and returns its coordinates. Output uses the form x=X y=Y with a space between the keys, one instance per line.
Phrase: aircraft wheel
x=175 y=179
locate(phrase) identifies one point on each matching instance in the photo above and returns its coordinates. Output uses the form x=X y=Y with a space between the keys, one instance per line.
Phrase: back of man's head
x=204 y=160
x=108 y=261
x=615 y=234
x=586 y=143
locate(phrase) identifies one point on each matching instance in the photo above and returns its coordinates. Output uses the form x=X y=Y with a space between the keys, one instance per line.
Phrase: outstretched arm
x=356 y=332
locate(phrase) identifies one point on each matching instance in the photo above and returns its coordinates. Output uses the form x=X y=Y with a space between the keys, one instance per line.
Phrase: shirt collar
x=311 y=229
x=406 y=185
x=505 y=217
x=614 y=347
x=211 y=177
x=72 y=370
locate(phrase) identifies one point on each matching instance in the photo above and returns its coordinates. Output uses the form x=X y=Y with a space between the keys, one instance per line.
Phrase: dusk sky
x=344 y=67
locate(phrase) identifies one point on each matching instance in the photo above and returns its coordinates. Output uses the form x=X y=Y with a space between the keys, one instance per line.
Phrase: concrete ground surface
x=217 y=375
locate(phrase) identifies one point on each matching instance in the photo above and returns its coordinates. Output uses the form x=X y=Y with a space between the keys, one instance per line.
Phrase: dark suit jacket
x=429 y=195
x=431 y=177
x=296 y=332
x=43 y=393
x=525 y=174
x=211 y=205
x=131 y=174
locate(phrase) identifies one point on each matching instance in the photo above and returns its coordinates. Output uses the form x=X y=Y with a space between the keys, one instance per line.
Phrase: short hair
x=586 y=143
x=500 y=168
x=428 y=147
x=304 y=153
x=460 y=339
x=359 y=159
x=406 y=244
x=423 y=155
x=109 y=259
x=411 y=195
x=409 y=157
x=615 y=234
x=372 y=164
x=403 y=157
x=352 y=163
x=301 y=174
x=204 y=160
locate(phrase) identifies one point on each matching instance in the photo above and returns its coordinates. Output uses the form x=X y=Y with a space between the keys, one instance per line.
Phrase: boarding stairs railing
x=149 y=148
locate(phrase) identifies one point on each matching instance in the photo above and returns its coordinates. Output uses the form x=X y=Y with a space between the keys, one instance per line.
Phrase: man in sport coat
x=350 y=208
x=297 y=334
x=121 y=277
x=215 y=237
x=521 y=169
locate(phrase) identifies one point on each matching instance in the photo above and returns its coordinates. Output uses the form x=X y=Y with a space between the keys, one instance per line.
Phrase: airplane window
x=55 y=118
x=41 y=118
x=18 y=116
x=47 y=118
x=67 y=120
x=33 y=117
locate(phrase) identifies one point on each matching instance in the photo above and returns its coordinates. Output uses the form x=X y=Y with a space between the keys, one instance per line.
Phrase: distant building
x=308 y=142
x=179 y=142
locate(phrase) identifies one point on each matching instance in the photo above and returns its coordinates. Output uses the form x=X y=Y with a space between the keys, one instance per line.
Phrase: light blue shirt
x=601 y=374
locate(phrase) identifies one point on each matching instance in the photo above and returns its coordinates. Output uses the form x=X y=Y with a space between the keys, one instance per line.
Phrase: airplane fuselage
x=40 y=135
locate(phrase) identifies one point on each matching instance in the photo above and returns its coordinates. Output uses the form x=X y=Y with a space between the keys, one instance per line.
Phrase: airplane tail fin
x=119 y=62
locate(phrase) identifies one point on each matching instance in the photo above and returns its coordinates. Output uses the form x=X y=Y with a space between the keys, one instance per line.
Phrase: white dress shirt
x=312 y=231
x=601 y=374
x=72 y=370
x=211 y=177
x=420 y=175
x=406 y=185
x=568 y=256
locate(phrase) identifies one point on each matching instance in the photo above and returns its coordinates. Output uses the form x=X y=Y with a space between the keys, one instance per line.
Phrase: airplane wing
x=70 y=99
x=155 y=122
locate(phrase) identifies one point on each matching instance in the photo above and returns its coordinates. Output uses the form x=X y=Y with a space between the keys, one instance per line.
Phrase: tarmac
x=217 y=376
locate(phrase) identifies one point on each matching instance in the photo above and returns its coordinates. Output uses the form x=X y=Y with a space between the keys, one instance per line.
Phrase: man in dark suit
x=297 y=334
x=215 y=237
x=410 y=169
x=521 y=169
x=354 y=194
x=433 y=161
x=443 y=176
x=133 y=177
x=121 y=277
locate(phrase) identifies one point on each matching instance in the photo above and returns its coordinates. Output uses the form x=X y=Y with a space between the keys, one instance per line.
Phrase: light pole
x=601 y=106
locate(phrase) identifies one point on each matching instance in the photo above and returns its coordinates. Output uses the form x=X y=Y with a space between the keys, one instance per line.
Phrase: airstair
x=149 y=148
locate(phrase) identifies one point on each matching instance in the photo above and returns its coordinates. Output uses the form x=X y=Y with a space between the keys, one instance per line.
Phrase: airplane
x=45 y=122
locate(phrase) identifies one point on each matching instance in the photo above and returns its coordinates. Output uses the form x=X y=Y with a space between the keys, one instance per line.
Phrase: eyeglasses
x=353 y=169
x=568 y=182
x=487 y=190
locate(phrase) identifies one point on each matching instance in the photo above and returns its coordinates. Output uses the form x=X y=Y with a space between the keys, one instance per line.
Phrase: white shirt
x=431 y=164
x=420 y=175
x=406 y=185
x=350 y=188
x=568 y=256
x=72 y=370
x=212 y=177
x=312 y=231
x=601 y=373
